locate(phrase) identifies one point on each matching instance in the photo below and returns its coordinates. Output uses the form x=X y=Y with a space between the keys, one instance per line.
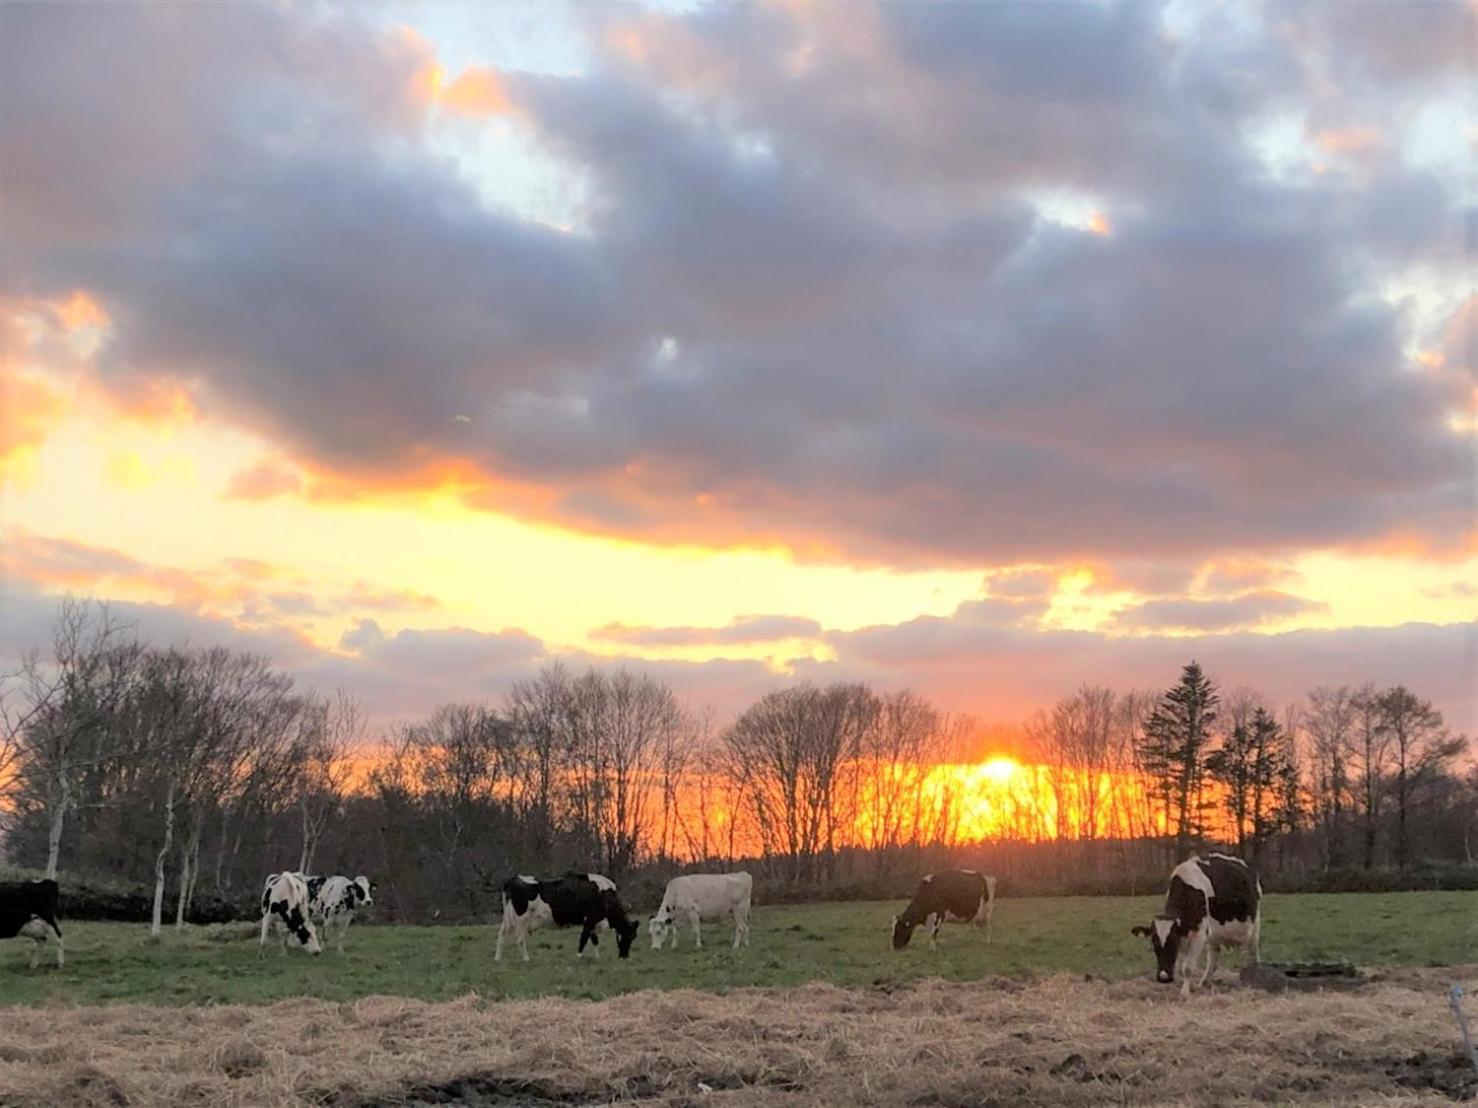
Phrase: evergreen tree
x=1173 y=751
x=1248 y=764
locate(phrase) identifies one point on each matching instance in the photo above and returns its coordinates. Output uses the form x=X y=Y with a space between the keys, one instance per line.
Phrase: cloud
x=262 y=482
x=1189 y=614
x=815 y=293
x=247 y=591
x=742 y=630
x=1022 y=583
x=1236 y=575
x=1003 y=673
x=970 y=662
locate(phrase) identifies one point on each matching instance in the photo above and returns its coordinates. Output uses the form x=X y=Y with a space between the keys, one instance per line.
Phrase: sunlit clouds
x=969 y=347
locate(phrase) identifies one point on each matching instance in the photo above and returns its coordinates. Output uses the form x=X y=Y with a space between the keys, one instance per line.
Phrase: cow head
x=658 y=928
x=902 y=932
x=626 y=930
x=299 y=925
x=364 y=891
x=1164 y=936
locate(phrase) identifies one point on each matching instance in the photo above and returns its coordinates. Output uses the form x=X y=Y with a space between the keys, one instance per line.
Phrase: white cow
x=699 y=896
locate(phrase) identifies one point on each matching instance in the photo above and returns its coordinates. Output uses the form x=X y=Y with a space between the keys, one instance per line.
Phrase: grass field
x=841 y=944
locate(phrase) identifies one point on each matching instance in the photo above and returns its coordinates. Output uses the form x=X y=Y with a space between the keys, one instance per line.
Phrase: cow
x=1212 y=902
x=587 y=899
x=334 y=900
x=696 y=896
x=28 y=910
x=949 y=894
x=287 y=906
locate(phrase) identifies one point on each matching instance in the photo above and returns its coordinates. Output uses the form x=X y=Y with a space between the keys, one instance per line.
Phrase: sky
x=986 y=349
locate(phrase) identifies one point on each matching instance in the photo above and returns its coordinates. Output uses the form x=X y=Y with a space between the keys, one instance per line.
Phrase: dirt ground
x=1062 y=1040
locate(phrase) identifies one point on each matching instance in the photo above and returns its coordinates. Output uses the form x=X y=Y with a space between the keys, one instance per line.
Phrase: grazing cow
x=1213 y=902
x=696 y=896
x=587 y=899
x=28 y=910
x=287 y=906
x=950 y=894
x=334 y=900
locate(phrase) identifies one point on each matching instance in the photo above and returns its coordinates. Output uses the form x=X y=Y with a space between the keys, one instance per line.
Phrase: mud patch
x=1303 y=977
x=1452 y=1075
x=479 y=1090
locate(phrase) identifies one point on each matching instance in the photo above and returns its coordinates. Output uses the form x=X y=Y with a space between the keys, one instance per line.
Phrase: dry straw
x=1061 y=1040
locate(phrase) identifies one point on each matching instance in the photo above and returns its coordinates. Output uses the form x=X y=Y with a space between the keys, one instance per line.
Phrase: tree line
x=192 y=773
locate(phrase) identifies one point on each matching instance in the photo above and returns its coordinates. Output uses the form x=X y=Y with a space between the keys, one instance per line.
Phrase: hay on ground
x=1063 y=1041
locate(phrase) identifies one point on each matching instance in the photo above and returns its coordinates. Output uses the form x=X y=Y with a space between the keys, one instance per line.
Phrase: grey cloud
x=27 y=614
x=1004 y=673
x=880 y=350
x=1026 y=583
x=742 y=630
x=997 y=671
x=1247 y=610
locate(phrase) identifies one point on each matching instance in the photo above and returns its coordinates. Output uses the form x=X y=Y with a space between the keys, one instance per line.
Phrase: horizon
x=989 y=351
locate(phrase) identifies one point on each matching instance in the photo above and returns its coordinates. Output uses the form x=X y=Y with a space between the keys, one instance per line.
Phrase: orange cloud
x=243 y=590
x=81 y=312
x=1351 y=142
x=262 y=482
x=154 y=401
x=478 y=92
x=1099 y=224
x=32 y=406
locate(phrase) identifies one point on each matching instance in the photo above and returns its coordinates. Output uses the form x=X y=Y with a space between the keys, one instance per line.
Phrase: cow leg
x=266 y=923
x=1254 y=940
x=587 y=935
x=741 y=927
x=1211 y=949
x=935 y=922
x=697 y=928
x=1190 y=958
x=61 y=959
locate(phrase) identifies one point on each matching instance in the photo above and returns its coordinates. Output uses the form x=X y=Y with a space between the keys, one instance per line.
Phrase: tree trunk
x=307 y=853
x=184 y=887
x=58 y=819
x=157 y=923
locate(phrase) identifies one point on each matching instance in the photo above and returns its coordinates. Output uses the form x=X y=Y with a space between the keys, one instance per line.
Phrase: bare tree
x=1371 y=750
x=58 y=709
x=896 y=756
x=1419 y=745
x=1330 y=724
x=788 y=753
x=333 y=731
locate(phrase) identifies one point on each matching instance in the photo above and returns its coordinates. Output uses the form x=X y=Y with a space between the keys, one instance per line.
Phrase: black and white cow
x=587 y=899
x=1212 y=902
x=28 y=910
x=287 y=906
x=960 y=894
x=334 y=900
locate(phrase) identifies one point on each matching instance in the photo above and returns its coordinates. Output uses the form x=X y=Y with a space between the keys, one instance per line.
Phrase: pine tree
x=1173 y=751
x=1248 y=764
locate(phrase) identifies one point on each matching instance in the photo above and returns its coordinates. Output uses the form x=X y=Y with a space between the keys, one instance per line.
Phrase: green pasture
x=843 y=943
